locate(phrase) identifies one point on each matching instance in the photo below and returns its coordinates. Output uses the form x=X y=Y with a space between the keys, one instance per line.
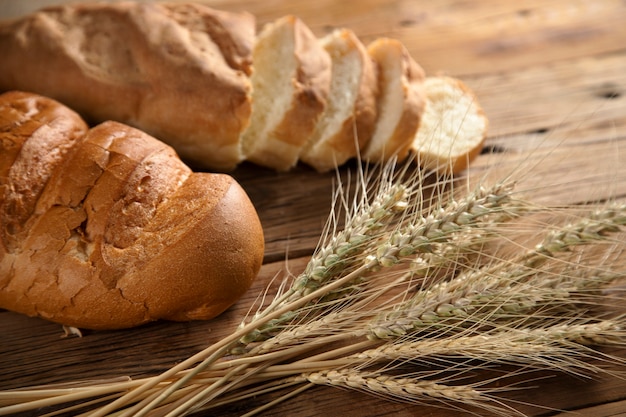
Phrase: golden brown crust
x=36 y=136
x=121 y=231
x=179 y=72
x=222 y=244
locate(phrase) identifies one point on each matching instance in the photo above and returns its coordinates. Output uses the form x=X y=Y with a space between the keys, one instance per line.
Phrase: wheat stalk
x=340 y=253
x=408 y=281
x=509 y=288
x=405 y=388
x=549 y=345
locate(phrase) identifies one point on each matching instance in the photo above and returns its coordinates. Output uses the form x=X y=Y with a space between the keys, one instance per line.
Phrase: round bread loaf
x=106 y=228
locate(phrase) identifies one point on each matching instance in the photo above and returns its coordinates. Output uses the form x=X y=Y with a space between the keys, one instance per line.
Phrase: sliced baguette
x=400 y=102
x=453 y=127
x=347 y=124
x=290 y=81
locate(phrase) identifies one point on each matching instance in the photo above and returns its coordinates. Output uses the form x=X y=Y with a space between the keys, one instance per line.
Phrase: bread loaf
x=106 y=228
x=205 y=82
x=180 y=72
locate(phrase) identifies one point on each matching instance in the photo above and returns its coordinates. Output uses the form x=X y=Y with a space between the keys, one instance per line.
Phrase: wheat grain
x=529 y=346
x=339 y=253
x=481 y=303
x=395 y=387
x=592 y=228
x=404 y=389
x=507 y=288
x=421 y=234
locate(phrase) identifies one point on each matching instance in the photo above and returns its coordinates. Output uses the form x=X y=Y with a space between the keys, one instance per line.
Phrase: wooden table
x=549 y=74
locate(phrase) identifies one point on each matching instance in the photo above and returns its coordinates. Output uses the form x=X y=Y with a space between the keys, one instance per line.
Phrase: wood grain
x=550 y=76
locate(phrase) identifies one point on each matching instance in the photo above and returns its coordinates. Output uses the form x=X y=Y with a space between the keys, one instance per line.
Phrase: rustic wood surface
x=551 y=77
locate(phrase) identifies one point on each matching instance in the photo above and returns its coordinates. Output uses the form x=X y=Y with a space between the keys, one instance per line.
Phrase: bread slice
x=290 y=82
x=400 y=102
x=453 y=127
x=348 y=121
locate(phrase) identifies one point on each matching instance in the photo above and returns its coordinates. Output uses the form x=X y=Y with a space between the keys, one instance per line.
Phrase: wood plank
x=561 y=175
x=557 y=170
x=275 y=198
x=550 y=76
x=545 y=97
x=460 y=38
x=466 y=38
x=499 y=39
x=614 y=409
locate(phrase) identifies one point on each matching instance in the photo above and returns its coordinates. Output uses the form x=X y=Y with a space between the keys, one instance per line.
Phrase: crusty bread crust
x=117 y=231
x=46 y=133
x=177 y=71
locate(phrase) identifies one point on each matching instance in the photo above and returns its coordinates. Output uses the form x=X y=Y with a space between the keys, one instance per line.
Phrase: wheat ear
x=407 y=389
x=340 y=253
